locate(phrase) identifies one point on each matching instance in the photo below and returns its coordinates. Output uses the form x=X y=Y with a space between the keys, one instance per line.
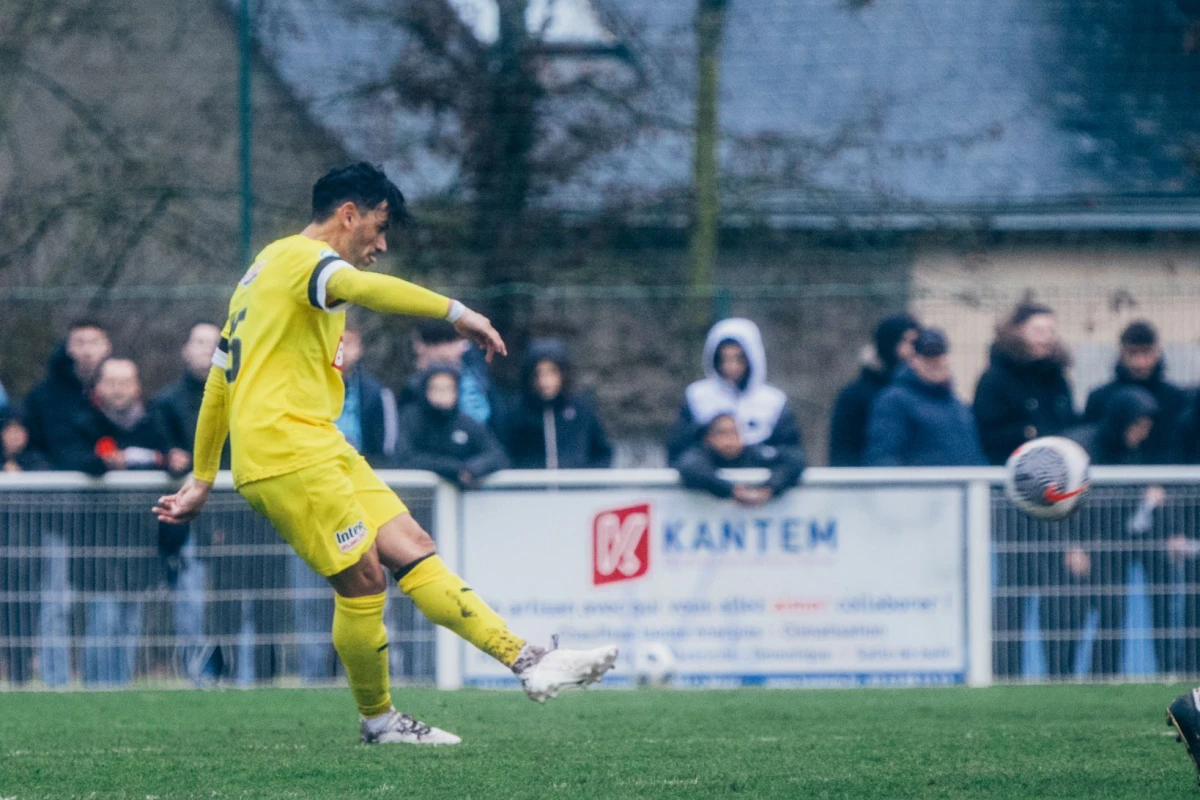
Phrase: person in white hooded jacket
x=735 y=370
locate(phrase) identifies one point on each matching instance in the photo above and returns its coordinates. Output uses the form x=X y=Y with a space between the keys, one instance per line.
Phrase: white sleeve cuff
x=456 y=311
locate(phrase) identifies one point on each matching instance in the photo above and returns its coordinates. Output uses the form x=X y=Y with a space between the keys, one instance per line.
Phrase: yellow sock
x=445 y=600
x=360 y=639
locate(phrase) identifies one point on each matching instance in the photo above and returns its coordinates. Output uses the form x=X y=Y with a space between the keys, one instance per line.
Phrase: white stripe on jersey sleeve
x=323 y=281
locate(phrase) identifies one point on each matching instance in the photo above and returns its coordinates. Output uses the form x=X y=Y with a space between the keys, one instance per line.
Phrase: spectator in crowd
x=720 y=447
x=894 y=337
x=14 y=444
x=1024 y=393
x=125 y=438
x=1124 y=437
x=59 y=412
x=176 y=410
x=436 y=435
x=551 y=426
x=177 y=407
x=60 y=422
x=917 y=421
x=1186 y=447
x=1141 y=364
x=368 y=418
x=735 y=369
x=19 y=572
x=436 y=342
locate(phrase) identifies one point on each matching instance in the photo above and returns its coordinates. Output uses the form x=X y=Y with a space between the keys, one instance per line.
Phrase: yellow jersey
x=276 y=383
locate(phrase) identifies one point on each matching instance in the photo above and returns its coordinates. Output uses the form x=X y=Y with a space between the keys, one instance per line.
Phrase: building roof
x=832 y=112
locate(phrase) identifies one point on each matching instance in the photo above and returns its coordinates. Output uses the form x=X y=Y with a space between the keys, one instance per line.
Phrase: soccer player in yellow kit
x=275 y=389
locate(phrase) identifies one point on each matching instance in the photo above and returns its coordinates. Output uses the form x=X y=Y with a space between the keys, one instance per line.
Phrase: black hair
x=197 y=324
x=436 y=331
x=363 y=184
x=1024 y=310
x=87 y=322
x=1139 y=334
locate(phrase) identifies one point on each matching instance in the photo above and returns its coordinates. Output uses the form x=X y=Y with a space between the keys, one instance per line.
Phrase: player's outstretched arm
x=395 y=296
x=212 y=428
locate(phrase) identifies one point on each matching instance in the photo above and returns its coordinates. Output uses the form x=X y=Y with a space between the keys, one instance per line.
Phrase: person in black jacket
x=1124 y=437
x=1141 y=364
x=894 y=337
x=103 y=560
x=368 y=418
x=551 y=426
x=435 y=435
x=437 y=342
x=177 y=407
x=721 y=447
x=917 y=421
x=15 y=453
x=1024 y=393
x=59 y=412
x=176 y=410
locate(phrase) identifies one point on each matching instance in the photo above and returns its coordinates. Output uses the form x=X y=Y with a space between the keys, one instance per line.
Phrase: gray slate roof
x=865 y=106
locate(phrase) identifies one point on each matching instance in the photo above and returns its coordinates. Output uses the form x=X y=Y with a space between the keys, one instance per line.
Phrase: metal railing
x=94 y=594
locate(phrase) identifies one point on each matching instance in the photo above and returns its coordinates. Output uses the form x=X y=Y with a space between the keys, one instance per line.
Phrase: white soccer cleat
x=555 y=670
x=397 y=728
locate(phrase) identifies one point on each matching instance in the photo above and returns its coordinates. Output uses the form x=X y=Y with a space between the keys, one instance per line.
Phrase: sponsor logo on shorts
x=348 y=539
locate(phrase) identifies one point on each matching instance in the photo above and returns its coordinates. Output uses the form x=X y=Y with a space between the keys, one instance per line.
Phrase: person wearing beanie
x=917 y=421
x=894 y=337
x=1141 y=365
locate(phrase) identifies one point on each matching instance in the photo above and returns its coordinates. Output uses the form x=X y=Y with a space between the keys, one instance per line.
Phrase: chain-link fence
x=94 y=592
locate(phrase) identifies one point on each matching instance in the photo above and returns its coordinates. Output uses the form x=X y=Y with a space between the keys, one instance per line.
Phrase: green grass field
x=1028 y=742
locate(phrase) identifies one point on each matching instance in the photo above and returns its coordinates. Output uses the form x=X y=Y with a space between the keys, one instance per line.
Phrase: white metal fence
x=94 y=593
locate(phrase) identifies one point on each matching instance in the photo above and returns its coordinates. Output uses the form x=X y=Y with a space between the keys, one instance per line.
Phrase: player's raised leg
x=409 y=553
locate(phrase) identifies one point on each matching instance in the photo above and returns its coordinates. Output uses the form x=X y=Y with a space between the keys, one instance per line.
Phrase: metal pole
x=246 y=128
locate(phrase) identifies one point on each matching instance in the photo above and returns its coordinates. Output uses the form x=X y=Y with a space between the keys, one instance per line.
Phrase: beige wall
x=1096 y=290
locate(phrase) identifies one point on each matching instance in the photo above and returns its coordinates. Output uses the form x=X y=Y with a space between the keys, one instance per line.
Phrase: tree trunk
x=710 y=25
x=502 y=178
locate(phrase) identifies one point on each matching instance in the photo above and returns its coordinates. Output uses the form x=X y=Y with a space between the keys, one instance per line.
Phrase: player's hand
x=184 y=505
x=478 y=328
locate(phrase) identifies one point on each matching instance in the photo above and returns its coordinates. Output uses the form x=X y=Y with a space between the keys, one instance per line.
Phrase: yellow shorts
x=330 y=512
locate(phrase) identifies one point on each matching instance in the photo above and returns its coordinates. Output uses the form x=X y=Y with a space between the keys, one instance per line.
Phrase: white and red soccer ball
x=1047 y=478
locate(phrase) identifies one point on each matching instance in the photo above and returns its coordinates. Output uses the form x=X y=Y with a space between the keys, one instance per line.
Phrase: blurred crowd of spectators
x=89 y=413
